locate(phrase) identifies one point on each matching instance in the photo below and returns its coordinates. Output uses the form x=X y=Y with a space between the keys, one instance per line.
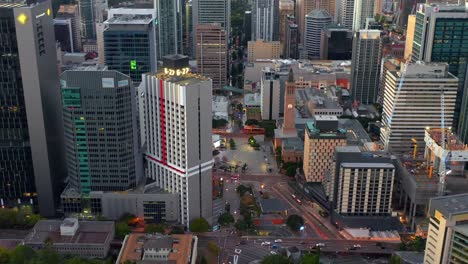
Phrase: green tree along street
x=295 y=222
x=395 y=259
x=219 y=123
x=416 y=244
x=155 y=228
x=26 y=255
x=213 y=248
x=232 y=144
x=12 y=218
x=275 y=259
x=310 y=259
x=199 y=225
x=122 y=229
x=226 y=219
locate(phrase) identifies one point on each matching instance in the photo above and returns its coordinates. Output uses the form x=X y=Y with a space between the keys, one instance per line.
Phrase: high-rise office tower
x=291 y=43
x=303 y=7
x=88 y=18
x=71 y=12
x=320 y=139
x=315 y=21
x=64 y=34
x=175 y=109
x=32 y=155
x=447 y=234
x=265 y=20
x=366 y=64
x=406 y=8
x=286 y=9
x=211 y=11
x=247 y=26
x=169 y=23
x=346 y=12
x=441 y=36
x=187 y=37
x=212 y=53
x=270 y=91
x=337 y=42
x=414 y=102
x=363 y=9
x=363 y=182
x=99 y=113
x=130 y=45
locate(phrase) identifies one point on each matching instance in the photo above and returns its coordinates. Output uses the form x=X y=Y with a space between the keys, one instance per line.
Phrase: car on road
x=278 y=240
x=320 y=244
x=274 y=246
x=237 y=251
x=356 y=246
x=266 y=243
x=273 y=252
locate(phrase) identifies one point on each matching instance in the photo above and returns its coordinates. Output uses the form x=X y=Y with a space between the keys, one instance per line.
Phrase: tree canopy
x=225 y=219
x=295 y=222
x=276 y=259
x=199 y=225
x=154 y=228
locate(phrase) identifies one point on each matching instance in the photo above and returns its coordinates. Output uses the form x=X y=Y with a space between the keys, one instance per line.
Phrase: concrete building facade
x=414 y=101
x=261 y=49
x=315 y=21
x=101 y=141
x=211 y=51
x=363 y=10
x=447 y=215
x=176 y=117
x=366 y=64
x=270 y=91
x=320 y=139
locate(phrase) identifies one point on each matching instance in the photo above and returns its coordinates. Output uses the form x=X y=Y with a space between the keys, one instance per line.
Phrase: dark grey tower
x=99 y=113
x=35 y=38
x=169 y=14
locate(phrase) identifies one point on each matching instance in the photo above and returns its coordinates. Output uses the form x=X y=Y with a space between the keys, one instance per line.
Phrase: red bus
x=253 y=130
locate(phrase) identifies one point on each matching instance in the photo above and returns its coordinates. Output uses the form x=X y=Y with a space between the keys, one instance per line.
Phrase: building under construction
x=441 y=171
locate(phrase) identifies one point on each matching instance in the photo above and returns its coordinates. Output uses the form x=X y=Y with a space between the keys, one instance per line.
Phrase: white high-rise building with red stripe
x=175 y=118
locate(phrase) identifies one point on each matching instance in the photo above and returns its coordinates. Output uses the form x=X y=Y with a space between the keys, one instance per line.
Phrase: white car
x=320 y=244
x=278 y=240
x=273 y=252
x=266 y=243
x=237 y=251
x=357 y=246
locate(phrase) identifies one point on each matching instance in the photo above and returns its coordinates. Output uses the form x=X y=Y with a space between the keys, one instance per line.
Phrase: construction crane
x=444 y=169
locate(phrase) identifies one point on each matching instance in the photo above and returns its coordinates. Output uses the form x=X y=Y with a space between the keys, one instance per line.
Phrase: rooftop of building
x=368 y=165
x=182 y=79
x=292 y=144
x=133 y=19
x=12 y=4
x=89 y=232
x=135 y=244
x=452 y=142
x=463 y=229
x=318 y=13
x=450 y=205
x=410 y=257
x=272 y=205
x=251 y=100
x=314 y=99
x=67 y=9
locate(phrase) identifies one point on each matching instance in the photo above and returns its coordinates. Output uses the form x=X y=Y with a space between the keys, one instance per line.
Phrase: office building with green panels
x=99 y=113
x=441 y=35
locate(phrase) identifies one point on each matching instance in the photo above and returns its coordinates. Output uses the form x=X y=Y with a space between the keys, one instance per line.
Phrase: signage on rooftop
x=176 y=72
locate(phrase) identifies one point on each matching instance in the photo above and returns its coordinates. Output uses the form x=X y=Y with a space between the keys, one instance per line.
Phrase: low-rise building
x=156 y=248
x=87 y=239
x=261 y=49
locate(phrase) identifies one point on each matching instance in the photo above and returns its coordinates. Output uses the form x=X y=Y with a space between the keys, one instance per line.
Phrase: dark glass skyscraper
x=129 y=45
x=441 y=35
x=169 y=26
x=16 y=172
x=31 y=134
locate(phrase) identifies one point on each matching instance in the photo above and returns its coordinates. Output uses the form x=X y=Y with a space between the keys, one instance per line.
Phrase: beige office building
x=410 y=36
x=321 y=138
x=447 y=234
x=211 y=53
x=261 y=49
